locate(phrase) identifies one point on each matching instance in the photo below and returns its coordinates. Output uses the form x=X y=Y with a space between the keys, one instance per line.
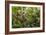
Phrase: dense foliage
x=25 y=17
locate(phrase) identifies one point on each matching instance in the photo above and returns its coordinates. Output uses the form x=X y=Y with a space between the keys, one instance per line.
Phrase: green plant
x=23 y=17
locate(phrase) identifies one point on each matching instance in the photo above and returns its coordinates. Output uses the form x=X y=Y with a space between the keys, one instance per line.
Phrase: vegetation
x=25 y=17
